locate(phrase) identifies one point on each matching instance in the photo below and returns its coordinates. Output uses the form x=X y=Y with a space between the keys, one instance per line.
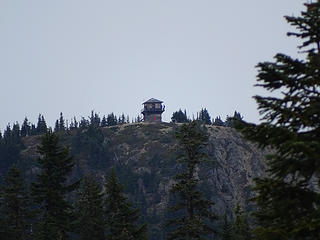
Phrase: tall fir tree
x=51 y=189
x=56 y=126
x=33 y=130
x=226 y=229
x=25 y=128
x=195 y=215
x=121 y=218
x=179 y=117
x=231 y=120
x=89 y=211
x=104 y=121
x=41 y=125
x=10 y=148
x=112 y=120
x=240 y=227
x=288 y=198
x=95 y=119
x=16 y=132
x=218 y=121
x=62 y=125
x=15 y=208
x=204 y=116
x=83 y=123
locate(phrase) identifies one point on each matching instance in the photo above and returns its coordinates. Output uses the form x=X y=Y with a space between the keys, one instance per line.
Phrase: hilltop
x=145 y=159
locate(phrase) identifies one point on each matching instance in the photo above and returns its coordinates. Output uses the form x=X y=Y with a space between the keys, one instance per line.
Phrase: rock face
x=144 y=157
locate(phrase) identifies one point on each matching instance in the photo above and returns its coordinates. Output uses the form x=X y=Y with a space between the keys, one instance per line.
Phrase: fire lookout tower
x=152 y=110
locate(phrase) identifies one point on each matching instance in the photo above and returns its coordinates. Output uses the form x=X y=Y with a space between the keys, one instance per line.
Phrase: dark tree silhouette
x=194 y=211
x=288 y=199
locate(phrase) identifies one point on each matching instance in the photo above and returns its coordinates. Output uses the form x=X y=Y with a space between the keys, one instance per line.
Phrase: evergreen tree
x=62 y=125
x=44 y=127
x=95 y=119
x=121 y=217
x=179 y=117
x=33 y=130
x=112 y=120
x=56 y=126
x=138 y=119
x=10 y=148
x=7 y=134
x=15 y=134
x=218 y=121
x=75 y=122
x=122 y=119
x=25 y=128
x=51 y=189
x=15 y=208
x=83 y=123
x=288 y=198
x=226 y=233
x=195 y=211
x=104 y=121
x=41 y=125
x=231 y=120
x=240 y=228
x=90 y=211
x=204 y=116
x=92 y=120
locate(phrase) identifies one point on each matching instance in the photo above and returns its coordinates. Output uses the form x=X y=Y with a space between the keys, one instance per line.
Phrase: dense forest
x=57 y=204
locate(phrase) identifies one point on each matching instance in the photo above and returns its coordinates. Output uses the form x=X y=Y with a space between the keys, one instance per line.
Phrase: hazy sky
x=74 y=56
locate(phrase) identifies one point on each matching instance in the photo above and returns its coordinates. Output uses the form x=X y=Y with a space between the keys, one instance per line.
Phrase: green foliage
x=288 y=200
x=94 y=119
x=56 y=126
x=25 y=128
x=90 y=141
x=41 y=125
x=74 y=124
x=128 y=178
x=15 y=208
x=10 y=147
x=240 y=227
x=180 y=117
x=121 y=217
x=192 y=213
x=226 y=230
x=89 y=211
x=104 y=121
x=62 y=126
x=204 y=116
x=112 y=120
x=231 y=120
x=218 y=122
x=50 y=190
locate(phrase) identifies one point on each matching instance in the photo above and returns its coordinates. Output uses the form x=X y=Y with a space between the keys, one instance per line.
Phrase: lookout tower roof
x=153 y=100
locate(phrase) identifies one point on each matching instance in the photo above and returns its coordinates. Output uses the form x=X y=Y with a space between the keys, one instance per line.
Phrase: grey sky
x=74 y=56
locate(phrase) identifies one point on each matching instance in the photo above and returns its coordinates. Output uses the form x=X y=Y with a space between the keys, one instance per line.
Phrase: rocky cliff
x=144 y=157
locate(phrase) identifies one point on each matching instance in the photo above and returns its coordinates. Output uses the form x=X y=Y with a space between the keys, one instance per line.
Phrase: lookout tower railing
x=153 y=109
